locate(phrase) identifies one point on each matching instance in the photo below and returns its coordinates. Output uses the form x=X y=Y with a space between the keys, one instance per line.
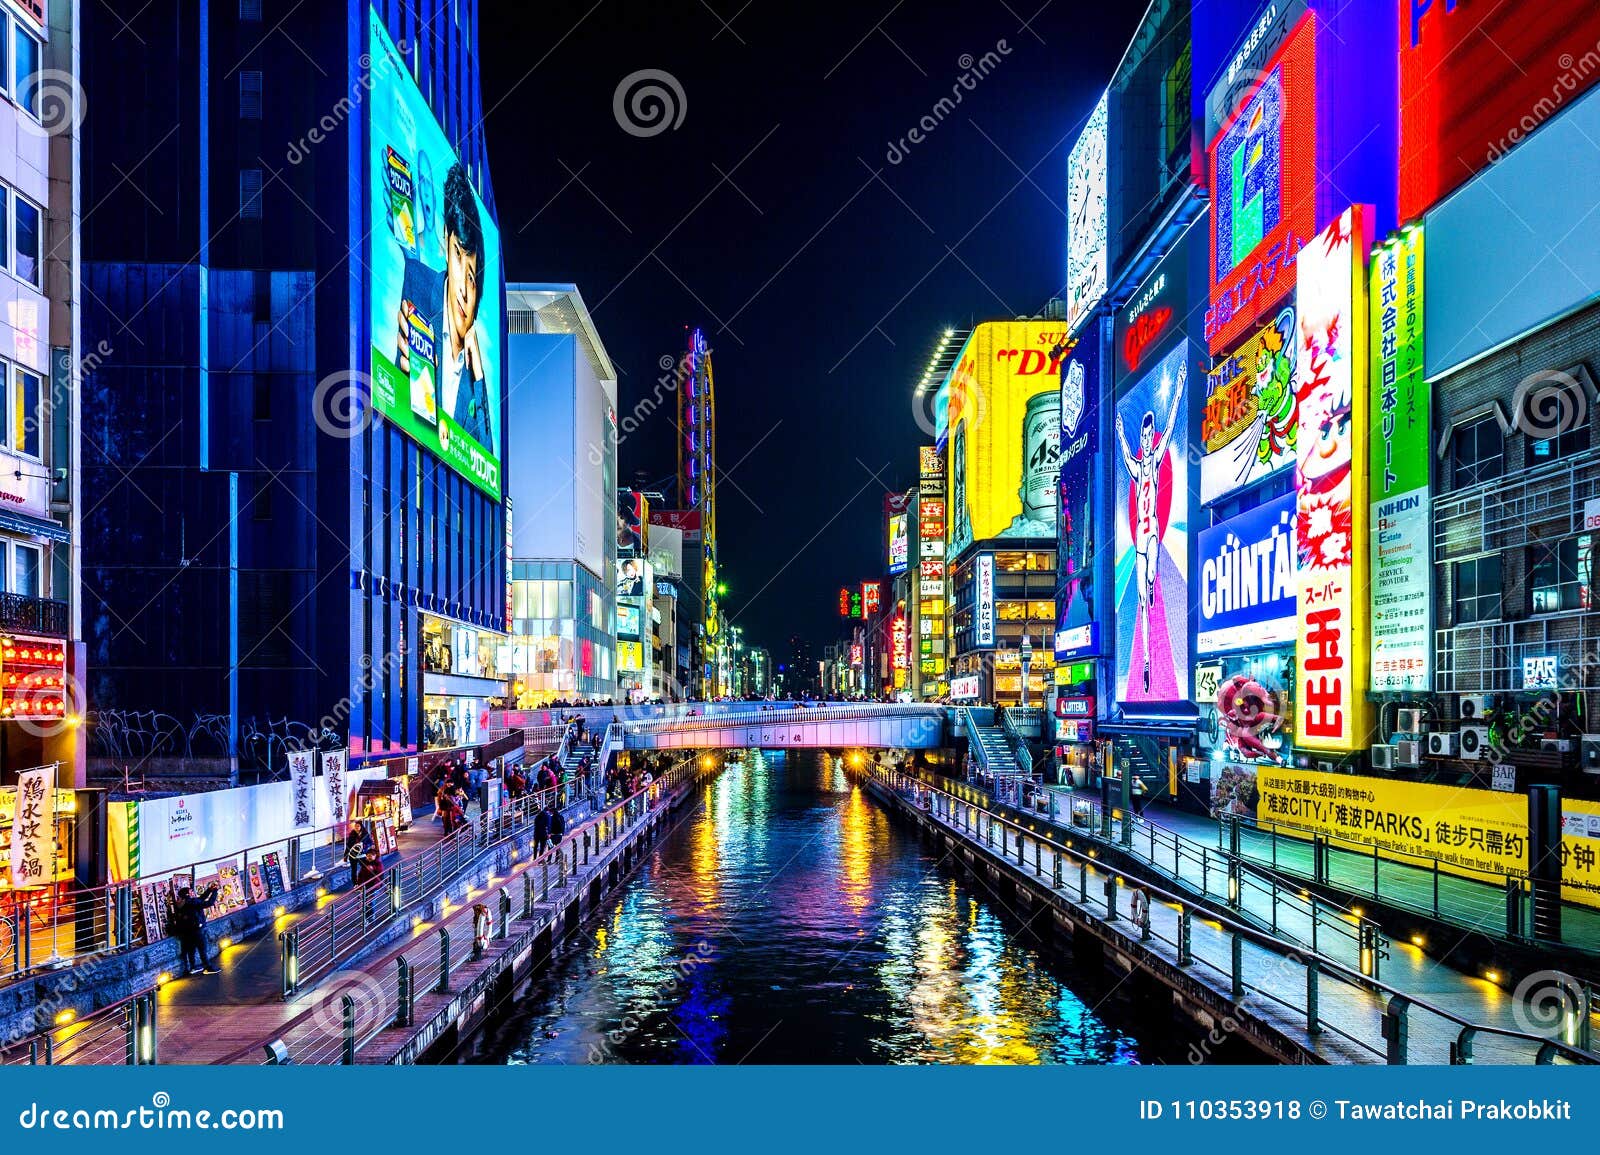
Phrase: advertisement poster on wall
x=1249 y=425
x=1075 y=540
x=1086 y=217
x=435 y=279
x=1150 y=500
x=1330 y=541
x=1005 y=432
x=1401 y=449
x=1247 y=584
x=1263 y=189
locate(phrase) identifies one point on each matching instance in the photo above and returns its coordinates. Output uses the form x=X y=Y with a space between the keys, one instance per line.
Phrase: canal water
x=787 y=918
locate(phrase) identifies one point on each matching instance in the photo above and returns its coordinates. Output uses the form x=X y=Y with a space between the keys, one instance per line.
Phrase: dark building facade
x=269 y=546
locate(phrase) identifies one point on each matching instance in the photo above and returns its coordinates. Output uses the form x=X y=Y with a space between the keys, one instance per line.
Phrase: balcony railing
x=29 y=615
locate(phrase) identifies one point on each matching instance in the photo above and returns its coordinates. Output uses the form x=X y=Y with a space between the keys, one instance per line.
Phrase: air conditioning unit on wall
x=1475 y=742
x=1443 y=745
x=1408 y=722
x=1475 y=706
x=1383 y=757
x=1408 y=752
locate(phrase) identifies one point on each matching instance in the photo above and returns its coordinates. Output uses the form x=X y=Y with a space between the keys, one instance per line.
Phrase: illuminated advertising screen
x=1075 y=545
x=844 y=603
x=1005 y=432
x=630 y=655
x=1263 y=184
x=930 y=466
x=1246 y=718
x=630 y=614
x=1477 y=77
x=899 y=645
x=1330 y=540
x=871 y=594
x=1401 y=445
x=1150 y=499
x=1248 y=426
x=899 y=543
x=1247 y=584
x=856 y=656
x=1086 y=217
x=633 y=516
x=435 y=280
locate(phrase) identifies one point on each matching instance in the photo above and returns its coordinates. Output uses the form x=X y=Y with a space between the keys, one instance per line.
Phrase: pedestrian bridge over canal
x=894 y=726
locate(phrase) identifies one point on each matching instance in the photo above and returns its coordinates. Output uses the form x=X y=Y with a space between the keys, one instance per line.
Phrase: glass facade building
x=272 y=541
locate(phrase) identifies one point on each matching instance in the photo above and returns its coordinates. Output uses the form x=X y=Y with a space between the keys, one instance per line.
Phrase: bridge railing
x=335 y=1030
x=1220 y=952
x=338 y=926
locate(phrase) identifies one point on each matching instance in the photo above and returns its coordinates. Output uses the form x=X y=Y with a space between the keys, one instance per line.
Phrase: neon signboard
x=1401 y=444
x=1249 y=426
x=1263 y=181
x=1330 y=541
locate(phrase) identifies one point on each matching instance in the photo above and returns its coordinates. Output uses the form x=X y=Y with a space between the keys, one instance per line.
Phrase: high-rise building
x=697 y=497
x=42 y=362
x=296 y=436
x=562 y=414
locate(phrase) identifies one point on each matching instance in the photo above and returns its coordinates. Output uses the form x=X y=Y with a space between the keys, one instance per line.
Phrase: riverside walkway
x=1261 y=944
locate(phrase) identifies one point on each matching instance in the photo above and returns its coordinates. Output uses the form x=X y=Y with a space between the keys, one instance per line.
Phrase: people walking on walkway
x=541 y=831
x=558 y=824
x=188 y=924
x=361 y=854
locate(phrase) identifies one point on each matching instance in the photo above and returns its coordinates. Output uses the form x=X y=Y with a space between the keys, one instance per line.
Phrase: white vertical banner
x=300 y=770
x=333 y=778
x=33 y=843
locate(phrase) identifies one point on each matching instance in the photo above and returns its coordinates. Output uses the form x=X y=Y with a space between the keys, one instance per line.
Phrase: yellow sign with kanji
x=1481 y=834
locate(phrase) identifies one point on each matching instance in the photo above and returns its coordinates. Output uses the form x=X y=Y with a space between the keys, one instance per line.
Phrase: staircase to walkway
x=990 y=747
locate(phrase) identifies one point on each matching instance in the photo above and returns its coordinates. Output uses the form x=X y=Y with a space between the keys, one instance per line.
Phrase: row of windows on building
x=1478 y=450
x=20 y=55
x=21 y=236
x=1560 y=579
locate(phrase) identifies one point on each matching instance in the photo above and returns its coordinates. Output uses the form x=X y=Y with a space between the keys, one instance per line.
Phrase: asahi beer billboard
x=1005 y=432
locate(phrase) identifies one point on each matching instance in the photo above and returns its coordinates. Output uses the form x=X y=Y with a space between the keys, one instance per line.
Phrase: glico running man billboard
x=1005 y=432
x=1330 y=536
x=1152 y=515
x=434 y=272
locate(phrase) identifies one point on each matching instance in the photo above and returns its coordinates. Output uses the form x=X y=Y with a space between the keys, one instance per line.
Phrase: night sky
x=773 y=217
